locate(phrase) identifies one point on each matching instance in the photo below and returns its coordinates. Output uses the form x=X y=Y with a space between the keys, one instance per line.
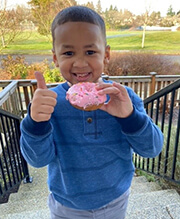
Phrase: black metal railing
x=164 y=108
x=13 y=167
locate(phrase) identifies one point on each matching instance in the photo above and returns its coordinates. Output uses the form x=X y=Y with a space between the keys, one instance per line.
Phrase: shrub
x=53 y=75
x=140 y=64
x=39 y=66
x=17 y=68
x=120 y=64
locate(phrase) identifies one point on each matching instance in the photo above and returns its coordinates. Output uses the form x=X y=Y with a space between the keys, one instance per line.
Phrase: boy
x=89 y=154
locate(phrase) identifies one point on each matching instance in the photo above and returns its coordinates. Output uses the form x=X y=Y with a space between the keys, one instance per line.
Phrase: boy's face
x=80 y=51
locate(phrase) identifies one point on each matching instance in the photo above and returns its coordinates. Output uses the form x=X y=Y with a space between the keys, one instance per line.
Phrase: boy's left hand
x=120 y=104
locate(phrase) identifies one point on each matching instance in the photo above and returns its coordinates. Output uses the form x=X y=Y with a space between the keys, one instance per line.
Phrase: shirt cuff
x=134 y=122
x=35 y=128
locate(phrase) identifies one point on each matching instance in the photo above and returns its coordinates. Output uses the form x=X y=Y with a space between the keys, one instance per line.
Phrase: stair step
x=139 y=179
x=39 y=180
x=144 y=187
x=27 y=203
x=31 y=196
x=168 y=212
x=23 y=196
x=147 y=200
x=138 y=202
x=174 y=210
x=149 y=213
x=37 y=214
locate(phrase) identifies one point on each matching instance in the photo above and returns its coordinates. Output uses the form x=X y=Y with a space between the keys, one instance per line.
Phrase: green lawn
x=165 y=42
x=29 y=44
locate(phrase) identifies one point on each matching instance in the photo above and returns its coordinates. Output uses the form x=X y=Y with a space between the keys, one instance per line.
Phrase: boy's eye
x=68 y=53
x=90 y=52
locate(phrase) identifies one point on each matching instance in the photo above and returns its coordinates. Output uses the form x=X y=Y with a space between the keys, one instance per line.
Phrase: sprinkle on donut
x=84 y=96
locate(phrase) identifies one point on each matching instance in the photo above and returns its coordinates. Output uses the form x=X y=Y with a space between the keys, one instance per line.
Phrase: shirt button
x=89 y=120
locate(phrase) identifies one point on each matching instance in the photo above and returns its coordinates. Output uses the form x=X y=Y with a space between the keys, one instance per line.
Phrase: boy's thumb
x=40 y=80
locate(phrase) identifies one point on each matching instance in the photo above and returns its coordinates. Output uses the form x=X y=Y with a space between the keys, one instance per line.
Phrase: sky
x=135 y=6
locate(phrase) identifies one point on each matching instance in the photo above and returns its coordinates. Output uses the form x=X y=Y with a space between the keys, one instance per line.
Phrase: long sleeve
x=145 y=137
x=37 y=145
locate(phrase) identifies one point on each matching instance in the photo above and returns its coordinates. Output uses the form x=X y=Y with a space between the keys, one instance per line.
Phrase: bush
x=120 y=64
x=53 y=75
x=39 y=66
x=140 y=64
x=17 y=68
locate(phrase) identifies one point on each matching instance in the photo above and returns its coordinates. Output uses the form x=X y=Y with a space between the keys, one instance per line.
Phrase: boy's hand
x=43 y=101
x=120 y=104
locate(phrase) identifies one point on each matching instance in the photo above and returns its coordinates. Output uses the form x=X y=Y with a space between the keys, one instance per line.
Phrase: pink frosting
x=84 y=94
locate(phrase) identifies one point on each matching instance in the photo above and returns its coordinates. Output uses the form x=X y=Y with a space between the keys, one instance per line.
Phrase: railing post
x=153 y=83
x=28 y=178
x=34 y=85
x=104 y=76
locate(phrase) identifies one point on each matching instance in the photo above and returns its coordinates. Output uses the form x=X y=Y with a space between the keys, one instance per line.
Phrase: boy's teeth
x=82 y=75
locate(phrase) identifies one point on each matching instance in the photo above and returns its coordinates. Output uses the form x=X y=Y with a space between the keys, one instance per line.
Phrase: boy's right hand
x=43 y=101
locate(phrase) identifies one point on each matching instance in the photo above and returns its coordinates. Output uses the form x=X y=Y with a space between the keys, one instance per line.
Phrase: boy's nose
x=80 y=62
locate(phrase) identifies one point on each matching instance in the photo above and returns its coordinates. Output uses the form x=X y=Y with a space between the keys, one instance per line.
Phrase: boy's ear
x=55 y=58
x=107 y=55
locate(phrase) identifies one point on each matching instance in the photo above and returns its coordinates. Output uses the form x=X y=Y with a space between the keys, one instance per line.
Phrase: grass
x=165 y=42
x=31 y=44
x=158 y=42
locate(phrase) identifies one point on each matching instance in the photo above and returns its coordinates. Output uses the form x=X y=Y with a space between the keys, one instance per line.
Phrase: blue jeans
x=114 y=210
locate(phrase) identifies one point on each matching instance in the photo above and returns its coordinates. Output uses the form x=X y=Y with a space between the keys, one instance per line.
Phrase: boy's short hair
x=78 y=14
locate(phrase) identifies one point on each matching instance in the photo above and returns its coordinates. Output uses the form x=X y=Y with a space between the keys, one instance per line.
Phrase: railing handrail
x=143 y=85
x=167 y=76
x=8 y=90
x=164 y=109
x=140 y=77
x=13 y=167
x=10 y=115
x=163 y=91
x=130 y=77
x=143 y=77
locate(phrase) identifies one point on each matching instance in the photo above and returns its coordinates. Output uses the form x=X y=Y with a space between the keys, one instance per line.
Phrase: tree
x=154 y=18
x=99 y=7
x=145 y=17
x=170 y=11
x=11 y=28
x=111 y=18
x=144 y=28
x=44 y=12
x=127 y=19
x=90 y=5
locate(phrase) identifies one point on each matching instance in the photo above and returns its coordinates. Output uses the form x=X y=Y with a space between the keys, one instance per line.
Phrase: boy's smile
x=82 y=76
x=80 y=51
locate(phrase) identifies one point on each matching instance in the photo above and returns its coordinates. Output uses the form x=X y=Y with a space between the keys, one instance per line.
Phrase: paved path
x=33 y=58
x=39 y=58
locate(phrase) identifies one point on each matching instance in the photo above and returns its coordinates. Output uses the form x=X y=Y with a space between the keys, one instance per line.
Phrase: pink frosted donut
x=84 y=96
